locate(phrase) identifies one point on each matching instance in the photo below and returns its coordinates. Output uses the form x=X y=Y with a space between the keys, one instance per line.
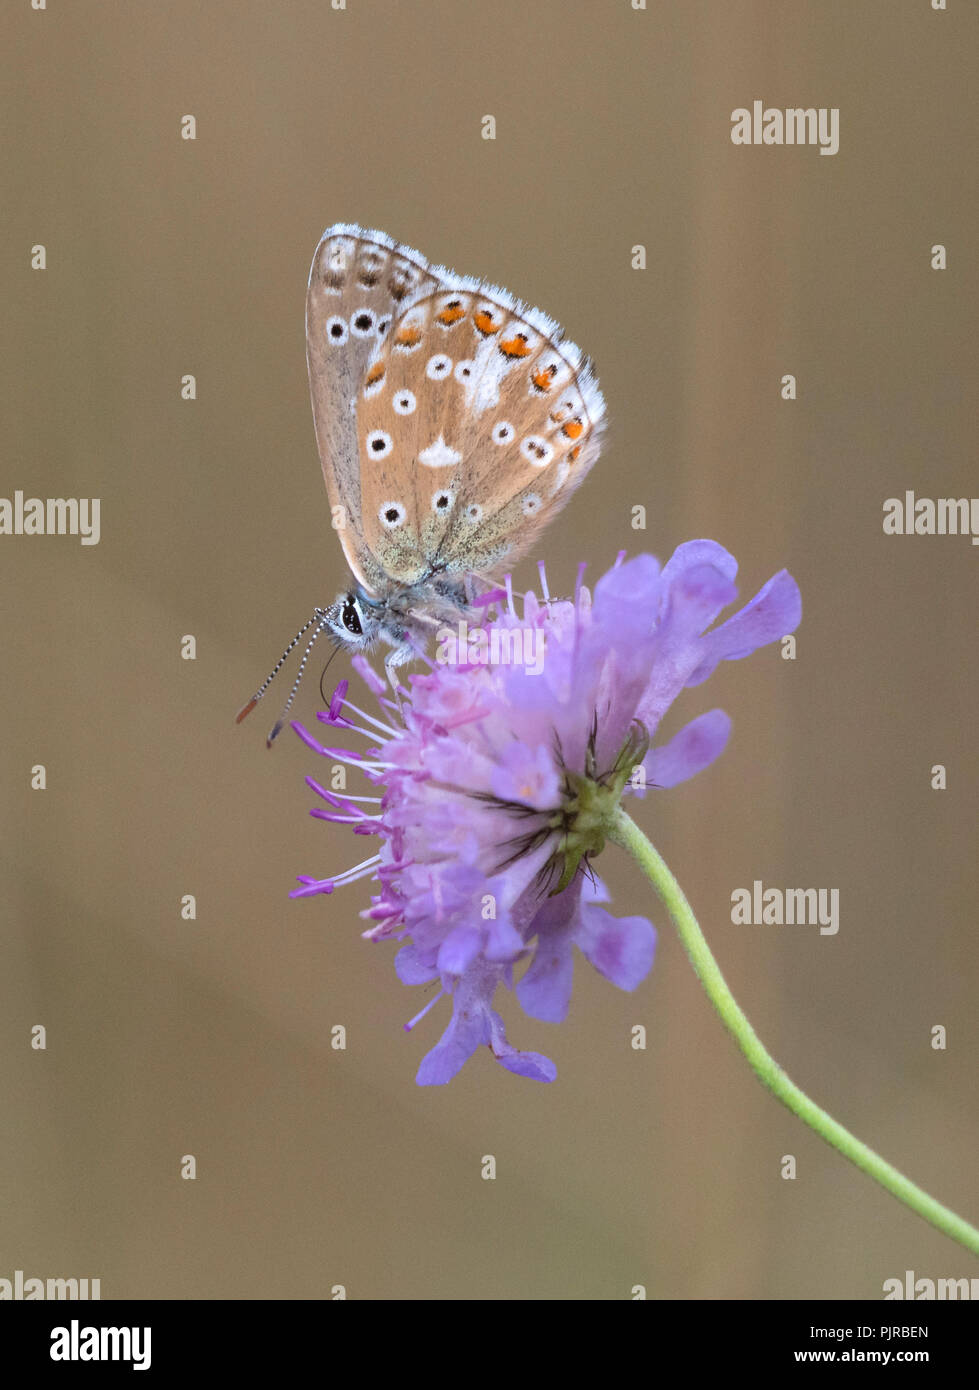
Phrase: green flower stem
x=627 y=834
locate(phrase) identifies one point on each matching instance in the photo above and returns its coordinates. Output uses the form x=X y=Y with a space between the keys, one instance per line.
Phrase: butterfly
x=453 y=422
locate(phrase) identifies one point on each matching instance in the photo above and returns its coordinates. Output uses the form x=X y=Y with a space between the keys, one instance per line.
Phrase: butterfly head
x=351 y=623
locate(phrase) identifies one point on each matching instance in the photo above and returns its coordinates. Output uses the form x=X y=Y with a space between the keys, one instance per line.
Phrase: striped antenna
x=319 y=618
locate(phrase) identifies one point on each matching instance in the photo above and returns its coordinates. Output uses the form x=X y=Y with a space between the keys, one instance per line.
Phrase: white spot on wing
x=537 y=451
x=442 y=501
x=379 y=444
x=362 y=323
x=438 y=367
x=439 y=455
x=391 y=514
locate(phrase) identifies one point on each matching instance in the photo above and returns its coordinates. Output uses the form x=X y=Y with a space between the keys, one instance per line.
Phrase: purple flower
x=496 y=781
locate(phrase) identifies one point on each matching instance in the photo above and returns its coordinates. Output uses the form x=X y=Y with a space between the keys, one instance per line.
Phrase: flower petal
x=528 y=776
x=701 y=582
x=775 y=610
x=620 y=948
x=503 y=941
x=411 y=969
x=689 y=751
x=459 y=949
x=367 y=674
x=545 y=990
x=692 y=554
x=467 y=1031
x=615 y=659
x=533 y=1065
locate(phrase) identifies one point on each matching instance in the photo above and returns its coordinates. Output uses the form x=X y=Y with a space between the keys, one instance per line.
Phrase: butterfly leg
x=396 y=657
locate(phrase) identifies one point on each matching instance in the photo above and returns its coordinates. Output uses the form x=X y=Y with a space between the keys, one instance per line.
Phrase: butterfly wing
x=358 y=281
x=476 y=421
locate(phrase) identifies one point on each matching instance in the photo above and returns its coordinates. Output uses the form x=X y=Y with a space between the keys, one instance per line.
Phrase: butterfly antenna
x=318 y=617
x=277 y=726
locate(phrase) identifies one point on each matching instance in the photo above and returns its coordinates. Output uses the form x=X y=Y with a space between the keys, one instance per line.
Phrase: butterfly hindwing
x=475 y=421
x=358 y=282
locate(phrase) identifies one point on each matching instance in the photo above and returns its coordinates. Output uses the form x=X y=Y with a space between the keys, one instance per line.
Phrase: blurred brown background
x=212 y=1037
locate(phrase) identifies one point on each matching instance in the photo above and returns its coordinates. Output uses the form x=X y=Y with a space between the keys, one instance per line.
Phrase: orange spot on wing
x=451 y=314
x=408 y=337
x=573 y=453
x=516 y=346
x=483 y=320
x=573 y=429
x=543 y=378
x=375 y=374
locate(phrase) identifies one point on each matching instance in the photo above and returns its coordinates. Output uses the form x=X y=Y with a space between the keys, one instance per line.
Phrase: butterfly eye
x=351 y=618
x=442 y=501
x=362 y=323
x=336 y=330
x=404 y=403
x=502 y=432
x=379 y=444
x=438 y=366
x=392 y=514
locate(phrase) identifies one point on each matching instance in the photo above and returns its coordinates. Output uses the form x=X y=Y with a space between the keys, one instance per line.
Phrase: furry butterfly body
x=453 y=422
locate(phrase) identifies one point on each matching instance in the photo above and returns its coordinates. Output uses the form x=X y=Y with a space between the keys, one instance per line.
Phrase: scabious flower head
x=496 y=783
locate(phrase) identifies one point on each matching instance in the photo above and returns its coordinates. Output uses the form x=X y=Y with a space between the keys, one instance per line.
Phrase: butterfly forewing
x=358 y=282
x=476 y=421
